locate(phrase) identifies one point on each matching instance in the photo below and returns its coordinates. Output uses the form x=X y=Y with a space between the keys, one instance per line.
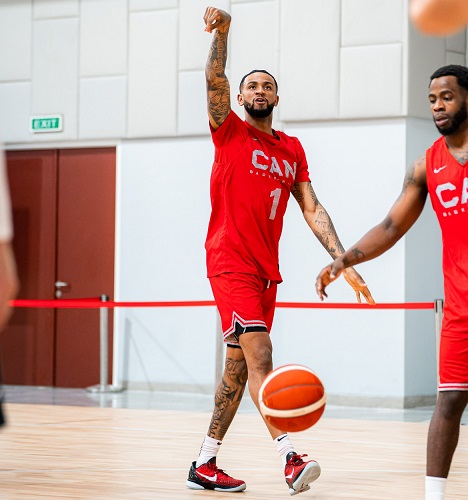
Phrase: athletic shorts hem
x=235 y=346
x=453 y=387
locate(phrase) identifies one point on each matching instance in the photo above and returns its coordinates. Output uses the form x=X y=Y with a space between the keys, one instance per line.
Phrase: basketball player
x=439 y=17
x=255 y=169
x=441 y=172
x=8 y=278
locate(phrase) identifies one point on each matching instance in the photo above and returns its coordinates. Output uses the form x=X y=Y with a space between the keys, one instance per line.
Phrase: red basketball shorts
x=246 y=303
x=453 y=361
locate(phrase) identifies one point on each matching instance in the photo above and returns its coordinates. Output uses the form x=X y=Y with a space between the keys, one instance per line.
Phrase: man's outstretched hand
x=216 y=19
x=331 y=272
x=358 y=284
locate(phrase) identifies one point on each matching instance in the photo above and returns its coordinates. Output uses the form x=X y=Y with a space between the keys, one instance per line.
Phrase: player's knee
x=451 y=404
x=261 y=360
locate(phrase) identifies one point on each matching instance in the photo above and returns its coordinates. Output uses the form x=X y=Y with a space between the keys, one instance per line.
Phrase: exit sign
x=46 y=123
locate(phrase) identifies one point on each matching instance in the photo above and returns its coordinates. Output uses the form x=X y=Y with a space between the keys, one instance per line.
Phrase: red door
x=27 y=343
x=85 y=259
x=64 y=217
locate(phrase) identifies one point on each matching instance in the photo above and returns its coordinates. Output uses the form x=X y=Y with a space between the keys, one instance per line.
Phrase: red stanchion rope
x=96 y=303
x=350 y=305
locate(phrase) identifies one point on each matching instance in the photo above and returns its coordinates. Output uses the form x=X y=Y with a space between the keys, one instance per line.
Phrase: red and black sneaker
x=299 y=474
x=209 y=477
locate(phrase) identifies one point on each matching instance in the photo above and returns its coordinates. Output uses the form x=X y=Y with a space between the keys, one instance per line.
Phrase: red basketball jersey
x=447 y=182
x=251 y=180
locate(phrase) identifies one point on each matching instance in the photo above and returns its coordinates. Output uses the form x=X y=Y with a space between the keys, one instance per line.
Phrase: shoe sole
x=195 y=486
x=310 y=473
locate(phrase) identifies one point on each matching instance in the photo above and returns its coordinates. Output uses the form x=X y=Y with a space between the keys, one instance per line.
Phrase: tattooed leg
x=229 y=393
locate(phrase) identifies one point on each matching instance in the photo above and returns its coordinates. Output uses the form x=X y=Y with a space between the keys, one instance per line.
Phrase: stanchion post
x=438 y=315
x=103 y=386
x=103 y=350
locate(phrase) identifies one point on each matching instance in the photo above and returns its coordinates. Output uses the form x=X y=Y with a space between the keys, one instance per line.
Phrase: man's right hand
x=327 y=275
x=216 y=19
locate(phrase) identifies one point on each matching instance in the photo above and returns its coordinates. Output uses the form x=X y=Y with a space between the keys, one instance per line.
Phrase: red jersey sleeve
x=302 y=173
x=232 y=133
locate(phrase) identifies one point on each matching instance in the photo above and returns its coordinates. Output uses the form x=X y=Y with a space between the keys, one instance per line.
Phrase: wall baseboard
x=332 y=399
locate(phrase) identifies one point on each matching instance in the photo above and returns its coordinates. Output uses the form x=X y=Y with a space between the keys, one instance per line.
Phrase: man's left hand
x=358 y=284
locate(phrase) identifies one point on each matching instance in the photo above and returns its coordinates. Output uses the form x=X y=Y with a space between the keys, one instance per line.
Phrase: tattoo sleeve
x=228 y=397
x=325 y=231
x=322 y=226
x=217 y=84
x=297 y=193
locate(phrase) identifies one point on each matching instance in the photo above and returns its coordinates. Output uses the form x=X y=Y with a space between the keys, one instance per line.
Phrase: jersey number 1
x=275 y=194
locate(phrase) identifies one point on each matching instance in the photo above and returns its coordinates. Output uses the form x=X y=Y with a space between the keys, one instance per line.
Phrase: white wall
x=423 y=276
x=163 y=211
x=357 y=184
x=120 y=69
x=353 y=78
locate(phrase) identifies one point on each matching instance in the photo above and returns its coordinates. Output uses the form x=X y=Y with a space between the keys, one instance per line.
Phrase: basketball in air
x=292 y=398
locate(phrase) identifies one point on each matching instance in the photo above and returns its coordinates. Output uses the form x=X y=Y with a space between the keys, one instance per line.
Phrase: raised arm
x=400 y=218
x=322 y=226
x=217 y=84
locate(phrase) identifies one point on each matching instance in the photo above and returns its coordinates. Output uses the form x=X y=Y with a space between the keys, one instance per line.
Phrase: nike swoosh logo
x=290 y=476
x=282 y=437
x=437 y=170
x=210 y=478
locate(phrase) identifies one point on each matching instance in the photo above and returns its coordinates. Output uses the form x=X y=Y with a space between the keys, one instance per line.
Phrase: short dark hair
x=257 y=71
x=460 y=72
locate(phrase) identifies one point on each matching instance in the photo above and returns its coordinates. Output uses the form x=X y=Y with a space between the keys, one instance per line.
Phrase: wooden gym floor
x=78 y=452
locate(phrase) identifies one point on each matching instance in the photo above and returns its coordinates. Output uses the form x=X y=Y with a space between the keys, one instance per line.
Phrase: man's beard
x=460 y=117
x=258 y=113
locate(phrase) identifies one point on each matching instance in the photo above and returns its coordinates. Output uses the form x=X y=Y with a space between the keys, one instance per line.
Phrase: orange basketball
x=292 y=398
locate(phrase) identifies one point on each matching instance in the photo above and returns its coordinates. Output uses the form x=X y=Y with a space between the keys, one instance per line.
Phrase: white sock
x=208 y=450
x=284 y=446
x=435 y=488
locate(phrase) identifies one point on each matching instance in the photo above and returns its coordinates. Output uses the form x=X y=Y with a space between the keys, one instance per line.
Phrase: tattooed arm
x=317 y=218
x=322 y=226
x=217 y=84
x=403 y=214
